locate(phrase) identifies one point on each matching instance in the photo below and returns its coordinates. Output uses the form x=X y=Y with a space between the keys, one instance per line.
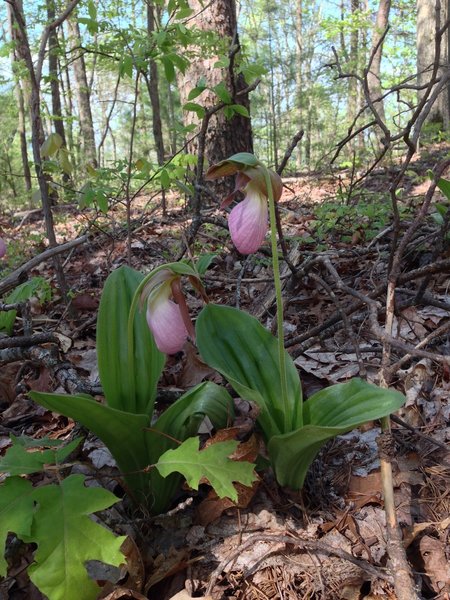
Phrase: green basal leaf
x=204 y=262
x=122 y=432
x=129 y=384
x=213 y=463
x=135 y=444
x=444 y=186
x=328 y=413
x=352 y=403
x=246 y=354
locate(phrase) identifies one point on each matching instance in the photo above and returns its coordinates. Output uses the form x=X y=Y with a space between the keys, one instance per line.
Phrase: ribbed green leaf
x=246 y=354
x=352 y=403
x=331 y=412
x=135 y=444
x=123 y=433
x=126 y=388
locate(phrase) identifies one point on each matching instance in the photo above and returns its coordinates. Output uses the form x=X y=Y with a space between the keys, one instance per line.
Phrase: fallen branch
x=20 y=275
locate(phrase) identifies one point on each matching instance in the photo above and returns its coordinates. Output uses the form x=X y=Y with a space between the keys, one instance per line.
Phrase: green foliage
x=211 y=462
x=55 y=517
x=16 y=512
x=130 y=366
x=245 y=353
x=370 y=214
x=51 y=145
x=18 y=461
x=129 y=383
x=37 y=287
x=67 y=538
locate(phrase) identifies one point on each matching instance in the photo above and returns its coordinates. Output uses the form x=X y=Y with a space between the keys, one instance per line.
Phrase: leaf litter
x=341 y=505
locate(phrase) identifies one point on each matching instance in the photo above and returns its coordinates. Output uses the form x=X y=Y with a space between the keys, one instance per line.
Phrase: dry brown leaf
x=42 y=383
x=166 y=566
x=437 y=569
x=212 y=507
x=134 y=564
x=124 y=594
x=194 y=370
x=85 y=302
x=184 y=595
x=365 y=490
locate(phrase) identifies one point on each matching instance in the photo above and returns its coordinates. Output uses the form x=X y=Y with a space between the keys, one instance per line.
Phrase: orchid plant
x=256 y=364
x=130 y=365
x=132 y=342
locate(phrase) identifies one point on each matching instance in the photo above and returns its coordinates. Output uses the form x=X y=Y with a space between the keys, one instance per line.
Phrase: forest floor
x=341 y=506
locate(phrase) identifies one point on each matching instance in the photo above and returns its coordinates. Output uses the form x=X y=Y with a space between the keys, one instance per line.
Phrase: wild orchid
x=169 y=321
x=248 y=220
x=2 y=248
x=256 y=364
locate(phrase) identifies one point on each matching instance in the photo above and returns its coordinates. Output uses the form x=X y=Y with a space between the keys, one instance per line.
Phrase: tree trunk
x=37 y=132
x=67 y=98
x=426 y=57
x=224 y=137
x=373 y=76
x=82 y=92
x=53 y=49
x=153 y=90
x=299 y=76
x=21 y=127
x=353 y=66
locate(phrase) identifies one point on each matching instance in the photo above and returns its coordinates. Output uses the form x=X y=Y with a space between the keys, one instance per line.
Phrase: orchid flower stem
x=279 y=298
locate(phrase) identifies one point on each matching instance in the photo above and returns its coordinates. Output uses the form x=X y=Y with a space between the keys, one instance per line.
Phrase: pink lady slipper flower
x=164 y=316
x=248 y=220
x=169 y=321
x=2 y=248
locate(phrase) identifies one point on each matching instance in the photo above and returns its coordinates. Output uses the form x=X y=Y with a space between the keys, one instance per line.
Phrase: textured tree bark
x=427 y=11
x=353 y=58
x=37 y=132
x=21 y=127
x=224 y=136
x=53 y=48
x=299 y=76
x=153 y=91
x=82 y=92
x=373 y=76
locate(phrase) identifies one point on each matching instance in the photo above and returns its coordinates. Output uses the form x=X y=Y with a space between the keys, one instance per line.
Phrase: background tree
x=429 y=20
x=82 y=91
x=225 y=136
x=19 y=93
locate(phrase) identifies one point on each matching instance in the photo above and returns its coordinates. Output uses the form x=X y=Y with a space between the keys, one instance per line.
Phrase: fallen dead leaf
x=434 y=564
x=195 y=370
x=212 y=507
x=184 y=595
x=166 y=566
x=123 y=594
